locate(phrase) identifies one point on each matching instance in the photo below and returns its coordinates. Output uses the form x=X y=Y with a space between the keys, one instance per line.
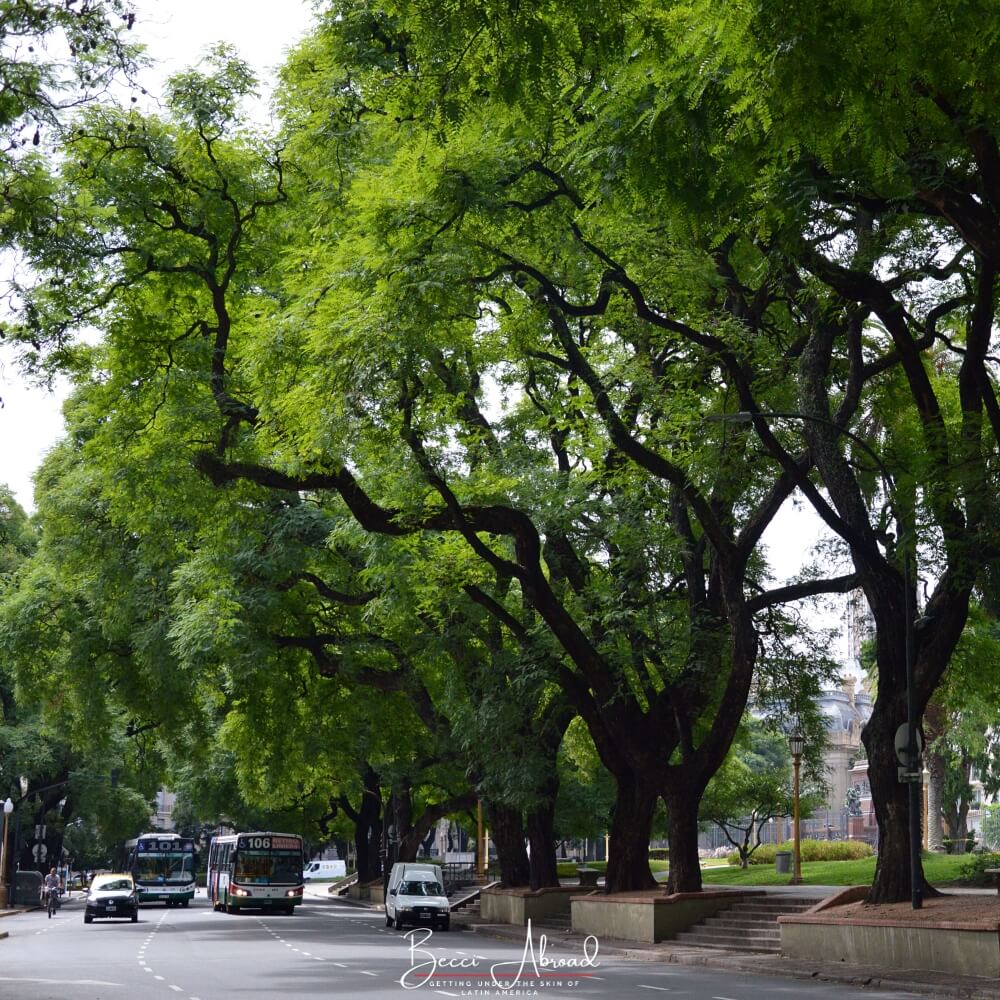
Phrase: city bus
x=255 y=871
x=162 y=865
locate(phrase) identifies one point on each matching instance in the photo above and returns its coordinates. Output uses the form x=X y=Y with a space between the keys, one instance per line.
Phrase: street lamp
x=908 y=748
x=8 y=808
x=795 y=745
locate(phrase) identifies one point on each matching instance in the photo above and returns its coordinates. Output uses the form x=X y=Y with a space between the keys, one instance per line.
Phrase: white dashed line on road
x=662 y=989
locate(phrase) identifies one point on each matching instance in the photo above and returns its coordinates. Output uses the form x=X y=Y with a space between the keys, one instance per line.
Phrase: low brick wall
x=963 y=949
x=518 y=906
x=649 y=916
x=373 y=891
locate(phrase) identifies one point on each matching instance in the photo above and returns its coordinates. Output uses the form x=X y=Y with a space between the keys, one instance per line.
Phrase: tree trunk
x=892 y=869
x=507 y=833
x=421 y=828
x=367 y=825
x=541 y=837
x=631 y=821
x=682 y=834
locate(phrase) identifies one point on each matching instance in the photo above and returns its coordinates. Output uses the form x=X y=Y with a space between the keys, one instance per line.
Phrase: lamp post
x=909 y=752
x=795 y=745
x=8 y=808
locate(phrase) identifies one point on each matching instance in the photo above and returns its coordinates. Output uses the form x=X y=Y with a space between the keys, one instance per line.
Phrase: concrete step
x=733 y=920
x=731 y=933
x=775 y=905
x=749 y=925
x=733 y=943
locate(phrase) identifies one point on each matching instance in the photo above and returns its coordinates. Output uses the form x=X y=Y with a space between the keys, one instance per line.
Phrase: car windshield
x=113 y=885
x=421 y=889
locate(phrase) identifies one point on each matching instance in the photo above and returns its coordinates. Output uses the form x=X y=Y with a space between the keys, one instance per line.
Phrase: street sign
x=902 y=742
x=909 y=776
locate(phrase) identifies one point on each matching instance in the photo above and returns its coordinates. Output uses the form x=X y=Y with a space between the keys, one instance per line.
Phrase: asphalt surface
x=328 y=949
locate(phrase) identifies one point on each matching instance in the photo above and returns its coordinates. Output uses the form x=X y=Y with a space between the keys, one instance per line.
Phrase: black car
x=111 y=896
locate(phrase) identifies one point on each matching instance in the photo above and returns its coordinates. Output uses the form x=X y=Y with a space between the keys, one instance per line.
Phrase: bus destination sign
x=162 y=846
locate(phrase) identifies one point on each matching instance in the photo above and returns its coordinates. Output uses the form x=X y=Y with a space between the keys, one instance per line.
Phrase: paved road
x=329 y=949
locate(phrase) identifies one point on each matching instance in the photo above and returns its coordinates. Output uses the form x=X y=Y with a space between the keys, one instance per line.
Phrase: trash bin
x=783 y=862
x=27 y=888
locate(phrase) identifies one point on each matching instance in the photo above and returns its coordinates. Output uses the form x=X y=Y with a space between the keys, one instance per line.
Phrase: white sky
x=175 y=32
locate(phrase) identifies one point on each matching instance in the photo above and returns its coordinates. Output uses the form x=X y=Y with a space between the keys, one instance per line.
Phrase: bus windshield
x=164 y=866
x=268 y=867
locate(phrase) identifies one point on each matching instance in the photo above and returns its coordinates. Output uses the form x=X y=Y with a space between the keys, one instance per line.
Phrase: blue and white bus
x=260 y=870
x=162 y=865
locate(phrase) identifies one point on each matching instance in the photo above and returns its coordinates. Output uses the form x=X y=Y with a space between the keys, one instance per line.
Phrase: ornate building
x=846 y=709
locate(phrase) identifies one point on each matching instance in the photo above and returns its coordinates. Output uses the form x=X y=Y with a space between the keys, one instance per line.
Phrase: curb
x=766 y=965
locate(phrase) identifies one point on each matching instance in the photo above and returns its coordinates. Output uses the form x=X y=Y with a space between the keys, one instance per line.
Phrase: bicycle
x=51 y=900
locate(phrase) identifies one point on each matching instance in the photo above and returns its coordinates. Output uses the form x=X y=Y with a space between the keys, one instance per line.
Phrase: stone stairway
x=749 y=925
x=557 y=922
x=465 y=898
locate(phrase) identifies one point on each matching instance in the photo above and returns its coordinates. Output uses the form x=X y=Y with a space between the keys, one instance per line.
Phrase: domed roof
x=841 y=711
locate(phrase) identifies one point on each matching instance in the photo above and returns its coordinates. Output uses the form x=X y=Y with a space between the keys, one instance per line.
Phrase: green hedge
x=659 y=854
x=812 y=850
x=974 y=870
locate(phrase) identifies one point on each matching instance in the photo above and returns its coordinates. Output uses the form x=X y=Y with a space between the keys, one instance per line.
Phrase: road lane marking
x=445 y=993
x=176 y=989
x=723 y=998
x=159 y=977
x=340 y=965
x=58 y=982
x=365 y=973
x=662 y=989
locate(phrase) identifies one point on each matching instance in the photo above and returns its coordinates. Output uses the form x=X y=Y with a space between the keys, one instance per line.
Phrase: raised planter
x=518 y=906
x=963 y=949
x=649 y=916
x=373 y=891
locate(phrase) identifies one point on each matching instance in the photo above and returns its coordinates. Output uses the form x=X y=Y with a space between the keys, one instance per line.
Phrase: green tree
x=753 y=786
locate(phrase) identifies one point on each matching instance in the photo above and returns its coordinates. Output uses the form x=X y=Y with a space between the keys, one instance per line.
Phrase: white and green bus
x=162 y=865
x=260 y=870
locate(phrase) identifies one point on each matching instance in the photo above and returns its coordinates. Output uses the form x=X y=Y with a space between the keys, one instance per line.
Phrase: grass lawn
x=940 y=869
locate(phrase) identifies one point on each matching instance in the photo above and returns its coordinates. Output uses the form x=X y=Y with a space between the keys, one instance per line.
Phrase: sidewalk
x=931 y=984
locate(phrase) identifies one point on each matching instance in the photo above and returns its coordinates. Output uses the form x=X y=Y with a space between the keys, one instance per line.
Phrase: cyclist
x=51 y=888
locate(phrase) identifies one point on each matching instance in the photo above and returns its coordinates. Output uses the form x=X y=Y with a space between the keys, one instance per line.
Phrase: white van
x=324 y=869
x=416 y=896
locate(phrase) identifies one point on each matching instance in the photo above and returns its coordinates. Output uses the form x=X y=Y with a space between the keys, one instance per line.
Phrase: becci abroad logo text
x=534 y=963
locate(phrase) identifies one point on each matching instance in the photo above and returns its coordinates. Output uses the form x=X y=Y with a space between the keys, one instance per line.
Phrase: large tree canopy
x=473 y=305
